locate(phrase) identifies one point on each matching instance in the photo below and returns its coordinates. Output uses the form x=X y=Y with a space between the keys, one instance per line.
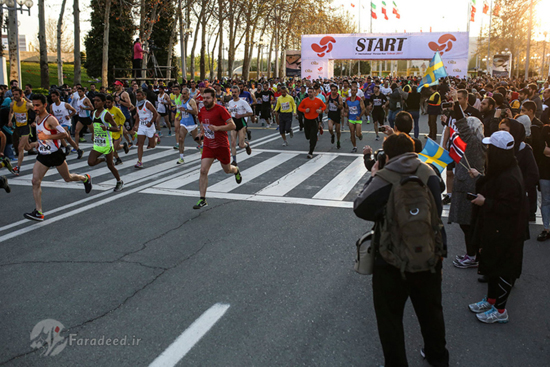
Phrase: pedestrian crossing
x=281 y=176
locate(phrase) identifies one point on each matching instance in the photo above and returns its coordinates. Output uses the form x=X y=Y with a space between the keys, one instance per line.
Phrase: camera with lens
x=380 y=157
x=447 y=110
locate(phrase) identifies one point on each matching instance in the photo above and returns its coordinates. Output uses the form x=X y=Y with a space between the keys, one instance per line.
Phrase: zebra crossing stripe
x=343 y=183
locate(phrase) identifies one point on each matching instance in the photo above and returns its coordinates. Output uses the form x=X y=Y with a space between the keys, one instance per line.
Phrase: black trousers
x=471 y=249
x=311 y=127
x=390 y=293
x=432 y=123
x=137 y=65
x=301 y=120
x=499 y=288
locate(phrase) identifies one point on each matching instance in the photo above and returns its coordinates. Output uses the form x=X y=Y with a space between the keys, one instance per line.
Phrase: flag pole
x=469 y=16
x=359 y=61
x=489 y=39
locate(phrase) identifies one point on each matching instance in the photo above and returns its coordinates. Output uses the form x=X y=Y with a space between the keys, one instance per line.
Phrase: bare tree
x=44 y=69
x=59 y=37
x=77 y=60
x=105 y=61
x=12 y=37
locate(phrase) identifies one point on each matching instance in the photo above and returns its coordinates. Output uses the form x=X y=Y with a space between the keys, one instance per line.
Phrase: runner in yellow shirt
x=286 y=108
x=119 y=118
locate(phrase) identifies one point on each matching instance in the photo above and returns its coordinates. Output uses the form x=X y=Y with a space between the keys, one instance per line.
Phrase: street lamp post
x=12 y=7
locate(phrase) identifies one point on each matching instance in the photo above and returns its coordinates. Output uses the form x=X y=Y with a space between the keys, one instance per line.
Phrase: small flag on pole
x=434 y=154
x=485 y=8
x=396 y=11
x=384 y=10
x=496 y=11
x=373 y=11
x=435 y=71
x=352 y=5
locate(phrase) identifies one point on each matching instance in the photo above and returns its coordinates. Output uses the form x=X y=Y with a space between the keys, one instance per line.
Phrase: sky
x=416 y=16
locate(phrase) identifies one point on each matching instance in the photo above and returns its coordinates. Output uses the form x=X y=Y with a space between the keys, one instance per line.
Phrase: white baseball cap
x=500 y=139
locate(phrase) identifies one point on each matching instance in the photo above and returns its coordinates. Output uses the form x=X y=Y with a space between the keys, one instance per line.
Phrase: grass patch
x=30 y=73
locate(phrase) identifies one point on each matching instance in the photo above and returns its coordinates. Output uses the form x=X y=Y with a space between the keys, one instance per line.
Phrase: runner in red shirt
x=215 y=122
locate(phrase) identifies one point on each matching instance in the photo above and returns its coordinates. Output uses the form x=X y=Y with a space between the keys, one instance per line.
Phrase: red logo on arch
x=445 y=44
x=324 y=47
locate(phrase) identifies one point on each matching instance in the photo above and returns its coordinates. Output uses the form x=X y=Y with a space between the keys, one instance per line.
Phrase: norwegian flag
x=458 y=146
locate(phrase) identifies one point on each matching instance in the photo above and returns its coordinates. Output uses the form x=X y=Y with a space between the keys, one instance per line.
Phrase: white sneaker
x=285 y=144
x=481 y=306
x=492 y=316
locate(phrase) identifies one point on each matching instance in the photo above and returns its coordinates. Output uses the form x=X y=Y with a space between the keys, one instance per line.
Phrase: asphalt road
x=263 y=276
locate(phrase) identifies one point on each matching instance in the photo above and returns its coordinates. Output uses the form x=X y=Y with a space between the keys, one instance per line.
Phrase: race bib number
x=44 y=148
x=377 y=102
x=398 y=105
x=209 y=134
x=265 y=98
x=353 y=110
x=100 y=141
x=144 y=122
x=285 y=106
x=20 y=118
x=332 y=107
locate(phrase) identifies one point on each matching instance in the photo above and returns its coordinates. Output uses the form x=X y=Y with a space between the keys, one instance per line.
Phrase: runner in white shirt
x=163 y=109
x=145 y=115
x=239 y=110
x=64 y=112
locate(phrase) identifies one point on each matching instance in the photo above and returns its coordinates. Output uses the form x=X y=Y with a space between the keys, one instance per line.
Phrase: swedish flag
x=435 y=154
x=434 y=72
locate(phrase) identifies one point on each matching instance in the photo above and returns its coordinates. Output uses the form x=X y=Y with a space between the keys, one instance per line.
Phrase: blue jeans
x=545 y=205
x=415 y=115
x=391 y=116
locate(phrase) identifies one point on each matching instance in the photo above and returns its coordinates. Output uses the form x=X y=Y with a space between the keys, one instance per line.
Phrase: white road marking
x=341 y=185
x=229 y=184
x=288 y=182
x=191 y=336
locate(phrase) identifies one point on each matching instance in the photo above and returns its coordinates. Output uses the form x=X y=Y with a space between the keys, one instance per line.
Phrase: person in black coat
x=500 y=225
x=526 y=162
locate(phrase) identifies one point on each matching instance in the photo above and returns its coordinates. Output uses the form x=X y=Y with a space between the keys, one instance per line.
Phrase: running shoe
x=285 y=144
x=543 y=236
x=119 y=186
x=88 y=183
x=321 y=130
x=157 y=138
x=481 y=306
x=338 y=144
x=309 y=156
x=73 y=150
x=82 y=140
x=169 y=132
x=159 y=133
x=67 y=150
x=200 y=204
x=248 y=149
x=234 y=163
x=354 y=150
x=446 y=199
x=139 y=165
x=277 y=129
x=360 y=137
x=291 y=133
x=492 y=316
x=130 y=144
x=332 y=139
x=16 y=170
x=126 y=148
x=118 y=161
x=79 y=153
x=180 y=161
x=7 y=163
x=134 y=136
x=377 y=137
x=4 y=184
x=177 y=146
x=466 y=262
x=35 y=215
x=238 y=176
x=248 y=134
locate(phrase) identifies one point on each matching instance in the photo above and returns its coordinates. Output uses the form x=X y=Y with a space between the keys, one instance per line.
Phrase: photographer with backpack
x=403 y=199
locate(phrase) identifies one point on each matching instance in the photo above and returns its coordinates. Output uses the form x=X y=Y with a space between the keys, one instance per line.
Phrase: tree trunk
x=44 y=70
x=170 y=50
x=77 y=63
x=12 y=36
x=220 y=46
x=269 y=58
x=212 y=57
x=105 y=61
x=142 y=13
x=145 y=40
x=192 y=62
x=203 y=50
x=59 y=34
x=231 y=48
x=247 y=52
